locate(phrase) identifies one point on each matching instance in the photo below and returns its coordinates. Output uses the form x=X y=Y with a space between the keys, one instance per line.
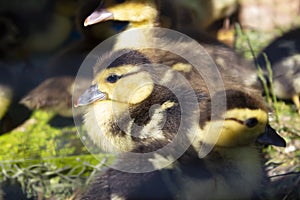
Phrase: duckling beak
x=271 y=137
x=99 y=15
x=91 y=95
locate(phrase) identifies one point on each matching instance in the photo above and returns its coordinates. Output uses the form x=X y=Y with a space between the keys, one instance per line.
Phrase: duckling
x=35 y=35
x=150 y=13
x=137 y=104
x=54 y=93
x=200 y=13
x=284 y=57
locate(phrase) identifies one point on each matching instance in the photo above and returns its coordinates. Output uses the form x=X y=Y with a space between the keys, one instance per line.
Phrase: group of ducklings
x=124 y=93
x=233 y=169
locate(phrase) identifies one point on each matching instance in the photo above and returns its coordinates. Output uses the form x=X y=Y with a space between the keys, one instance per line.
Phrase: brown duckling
x=55 y=92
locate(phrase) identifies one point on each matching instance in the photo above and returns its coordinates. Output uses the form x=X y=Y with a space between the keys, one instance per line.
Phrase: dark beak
x=271 y=137
x=91 y=95
x=99 y=15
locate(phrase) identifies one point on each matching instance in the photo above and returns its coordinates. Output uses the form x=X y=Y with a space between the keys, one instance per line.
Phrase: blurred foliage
x=258 y=40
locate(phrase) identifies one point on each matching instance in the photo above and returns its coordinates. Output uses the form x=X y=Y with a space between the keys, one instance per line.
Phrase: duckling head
x=122 y=76
x=245 y=122
x=117 y=100
x=139 y=13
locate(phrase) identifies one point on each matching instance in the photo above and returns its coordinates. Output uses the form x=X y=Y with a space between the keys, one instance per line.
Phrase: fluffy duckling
x=54 y=93
x=284 y=57
x=136 y=106
x=175 y=14
x=150 y=13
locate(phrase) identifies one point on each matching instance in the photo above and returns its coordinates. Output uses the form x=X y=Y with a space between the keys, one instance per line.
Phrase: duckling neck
x=143 y=24
x=134 y=38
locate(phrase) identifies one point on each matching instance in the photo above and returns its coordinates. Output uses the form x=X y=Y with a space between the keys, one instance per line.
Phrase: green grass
x=51 y=177
x=284 y=163
x=47 y=161
x=37 y=139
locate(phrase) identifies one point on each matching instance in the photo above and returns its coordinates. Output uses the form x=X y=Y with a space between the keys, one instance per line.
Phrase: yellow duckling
x=54 y=93
x=175 y=14
x=136 y=104
x=148 y=13
x=35 y=35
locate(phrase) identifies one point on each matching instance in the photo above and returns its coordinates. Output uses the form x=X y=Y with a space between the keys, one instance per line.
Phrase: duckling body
x=231 y=173
x=223 y=174
x=284 y=57
x=232 y=170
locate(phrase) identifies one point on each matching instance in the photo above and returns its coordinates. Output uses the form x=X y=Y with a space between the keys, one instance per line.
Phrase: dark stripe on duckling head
x=133 y=57
x=241 y=99
x=234 y=119
x=251 y=122
x=235 y=99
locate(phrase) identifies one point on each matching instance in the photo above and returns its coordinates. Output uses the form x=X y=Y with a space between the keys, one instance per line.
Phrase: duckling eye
x=251 y=122
x=112 y=78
